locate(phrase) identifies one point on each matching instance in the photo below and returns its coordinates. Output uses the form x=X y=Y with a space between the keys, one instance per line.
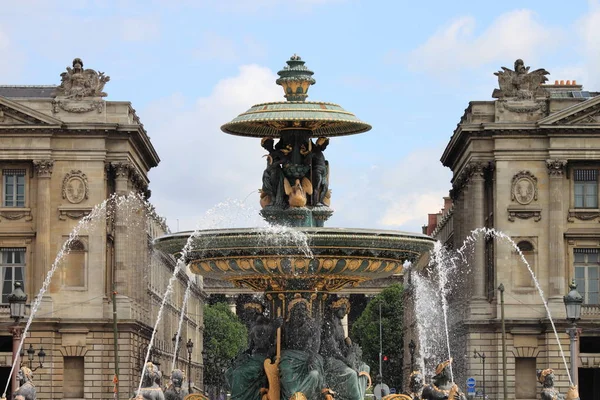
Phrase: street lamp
x=411 y=350
x=482 y=356
x=190 y=348
x=31 y=356
x=16 y=301
x=573 y=301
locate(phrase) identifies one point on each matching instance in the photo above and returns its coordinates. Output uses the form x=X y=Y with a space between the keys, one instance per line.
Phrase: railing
x=590 y=311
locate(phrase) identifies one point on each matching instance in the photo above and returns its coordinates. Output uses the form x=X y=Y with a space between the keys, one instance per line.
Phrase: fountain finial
x=295 y=78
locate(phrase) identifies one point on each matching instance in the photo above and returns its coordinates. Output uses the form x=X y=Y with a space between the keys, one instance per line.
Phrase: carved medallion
x=75 y=187
x=524 y=188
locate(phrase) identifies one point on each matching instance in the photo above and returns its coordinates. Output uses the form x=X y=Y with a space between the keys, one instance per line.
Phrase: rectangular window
x=13 y=270
x=74 y=370
x=586 y=188
x=13 y=181
x=587 y=269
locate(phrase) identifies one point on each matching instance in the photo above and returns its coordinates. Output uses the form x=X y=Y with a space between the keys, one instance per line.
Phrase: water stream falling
x=178 y=336
x=99 y=213
x=428 y=296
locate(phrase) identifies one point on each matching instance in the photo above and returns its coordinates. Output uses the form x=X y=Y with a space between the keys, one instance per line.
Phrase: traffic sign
x=471 y=382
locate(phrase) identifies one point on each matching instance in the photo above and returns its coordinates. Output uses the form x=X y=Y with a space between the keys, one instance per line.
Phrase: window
x=13 y=270
x=74 y=370
x=75 y=272
x=586 y=188
x=522 y=274
x=587 y=267
x=13 y=181
x=525 y=378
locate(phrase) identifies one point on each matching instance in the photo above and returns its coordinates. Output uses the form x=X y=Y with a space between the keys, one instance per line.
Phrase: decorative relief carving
x=43 y=168
x=582 y=214
x=121 y=169
x=73 y=213
x=78 y=83
x=75 y=187
x=524 y=188
x=524 y=213
x=13 y=215
x=472 y=169
x=556 y=168
x=80 y=106
x=522 y=107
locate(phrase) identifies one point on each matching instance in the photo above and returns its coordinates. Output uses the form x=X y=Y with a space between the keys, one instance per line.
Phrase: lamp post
x=482 y=356
x=573 y=301
x=190 y=348
x=31 y=356
x=16 y=300
x=411 y=350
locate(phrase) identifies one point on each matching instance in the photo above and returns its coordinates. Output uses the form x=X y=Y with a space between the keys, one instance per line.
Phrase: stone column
x=17 y=334
x=123 y=274
x=477 y=189
x=556 y=221
x=43 y=258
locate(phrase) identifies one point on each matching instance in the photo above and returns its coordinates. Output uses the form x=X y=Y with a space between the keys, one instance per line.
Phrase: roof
x=31 y=92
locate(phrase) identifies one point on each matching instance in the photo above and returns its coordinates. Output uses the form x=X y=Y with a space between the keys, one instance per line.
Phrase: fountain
x=298 y=348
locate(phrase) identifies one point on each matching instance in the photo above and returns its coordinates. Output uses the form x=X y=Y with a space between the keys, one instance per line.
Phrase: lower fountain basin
x=311 y=258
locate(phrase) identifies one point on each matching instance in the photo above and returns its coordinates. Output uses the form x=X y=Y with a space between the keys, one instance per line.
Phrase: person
x=345 y=373
x=26 y=387
x=549 y=392
x=442 y=387
x=381 y=389
x=301 y=365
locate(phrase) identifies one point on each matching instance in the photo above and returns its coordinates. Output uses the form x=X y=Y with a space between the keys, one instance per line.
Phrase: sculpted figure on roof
x=77 y=82
x=520 y=83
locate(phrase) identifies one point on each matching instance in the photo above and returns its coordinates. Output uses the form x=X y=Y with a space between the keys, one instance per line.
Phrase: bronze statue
x=549 y=392
x=442 y=387
x=26 y=387
x=150 y=390
x=271 y=193
x=415 y=385
x=320 y=172
x=175 y=391
x=345 y=373
x=301 y=365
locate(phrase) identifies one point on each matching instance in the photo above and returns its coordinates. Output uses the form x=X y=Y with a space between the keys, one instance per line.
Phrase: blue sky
x=407 y=68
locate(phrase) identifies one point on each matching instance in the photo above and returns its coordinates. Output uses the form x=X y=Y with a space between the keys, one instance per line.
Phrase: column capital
x=43 y=168
x=122 y=169
x=556 y=167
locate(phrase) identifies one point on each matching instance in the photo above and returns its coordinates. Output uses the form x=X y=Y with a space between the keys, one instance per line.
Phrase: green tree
x=225 y=336
x=365 y=331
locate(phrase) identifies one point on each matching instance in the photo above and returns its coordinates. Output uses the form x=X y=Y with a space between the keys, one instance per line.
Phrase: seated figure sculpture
x=549 y=392
x=26 y=387
x=247 y=376
x=150 y=390
x=175 y=391
x=442 y=387
x=345 y=373
x=301 y=366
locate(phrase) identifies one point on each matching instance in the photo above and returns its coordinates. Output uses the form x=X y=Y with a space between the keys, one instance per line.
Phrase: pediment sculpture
x=520 y=83
x=77 y=83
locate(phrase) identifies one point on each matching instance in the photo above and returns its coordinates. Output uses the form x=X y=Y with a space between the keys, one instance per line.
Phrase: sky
x=407 y=68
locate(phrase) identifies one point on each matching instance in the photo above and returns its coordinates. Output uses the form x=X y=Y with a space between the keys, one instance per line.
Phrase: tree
x=225 y=336
x=365 y=332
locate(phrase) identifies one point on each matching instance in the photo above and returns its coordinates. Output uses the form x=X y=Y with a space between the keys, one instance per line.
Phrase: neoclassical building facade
x=526 y=164
x=64 y=150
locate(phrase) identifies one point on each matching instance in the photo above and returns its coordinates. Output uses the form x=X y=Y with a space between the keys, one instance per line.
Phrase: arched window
x=76 y=268
x=522 y=274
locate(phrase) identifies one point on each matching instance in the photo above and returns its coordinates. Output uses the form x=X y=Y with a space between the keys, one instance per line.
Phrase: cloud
x=139 y=29
x=202 y=166
x=588 y=30
x=516 y=34
x=12 y=59
x=215 y=47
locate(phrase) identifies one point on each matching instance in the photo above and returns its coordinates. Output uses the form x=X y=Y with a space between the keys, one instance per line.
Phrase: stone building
x=526 y=164
x=64 y=150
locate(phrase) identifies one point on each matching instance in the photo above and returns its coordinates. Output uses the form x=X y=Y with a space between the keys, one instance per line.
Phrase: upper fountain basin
x=272 y=119
x=329 y=258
